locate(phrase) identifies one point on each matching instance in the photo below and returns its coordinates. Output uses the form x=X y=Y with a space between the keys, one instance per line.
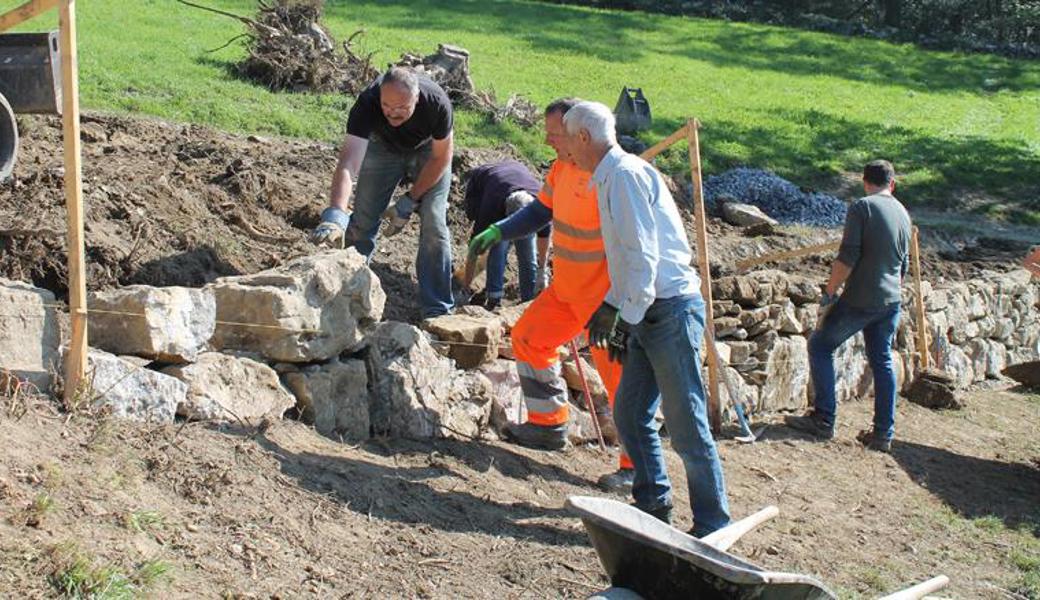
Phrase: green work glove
x=483 y=241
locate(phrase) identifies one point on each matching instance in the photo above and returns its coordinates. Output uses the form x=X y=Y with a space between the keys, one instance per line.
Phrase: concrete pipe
x=8 y=139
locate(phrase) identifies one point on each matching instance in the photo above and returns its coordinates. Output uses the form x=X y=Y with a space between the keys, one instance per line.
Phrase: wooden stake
x=796 y=253
x=25 y=12
x=663 y=145
x=922 y=323
x=75 y=363
x=714 y=413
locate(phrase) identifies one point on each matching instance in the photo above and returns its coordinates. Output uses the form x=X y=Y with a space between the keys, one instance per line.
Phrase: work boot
x=492 y=303
x=541 y=437
x=812 y=424
x=619 y=481
x=872 y=442
x=662 y=513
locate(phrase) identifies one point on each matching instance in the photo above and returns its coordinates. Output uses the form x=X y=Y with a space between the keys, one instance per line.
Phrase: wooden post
x=922 y=323
x=786 y=254
x=651 y=152
x=700 y=222
x=76 y=361
x=25 y=12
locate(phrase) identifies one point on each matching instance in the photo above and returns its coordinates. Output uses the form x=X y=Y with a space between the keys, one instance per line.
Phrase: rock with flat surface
x=174 y=324
x=745 y=215
x=471 y=340
x=417 y=393
x=333 y=397
x=309 y=309
x=131 y=391
x=228 y=388
x=30 y=333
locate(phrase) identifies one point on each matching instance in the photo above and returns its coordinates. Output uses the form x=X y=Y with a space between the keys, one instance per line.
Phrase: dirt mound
x=182 y=205
x=171 y=204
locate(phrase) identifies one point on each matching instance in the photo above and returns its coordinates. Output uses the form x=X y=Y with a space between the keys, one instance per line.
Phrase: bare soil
x=171 y=204
x=279 y=511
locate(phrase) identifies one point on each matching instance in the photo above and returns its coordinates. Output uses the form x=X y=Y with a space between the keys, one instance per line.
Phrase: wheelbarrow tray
x=657 y=561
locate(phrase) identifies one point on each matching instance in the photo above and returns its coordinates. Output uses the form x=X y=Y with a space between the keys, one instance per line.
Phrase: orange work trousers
x=547 y=324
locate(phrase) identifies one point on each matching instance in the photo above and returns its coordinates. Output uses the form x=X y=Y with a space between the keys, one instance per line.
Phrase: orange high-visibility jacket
x=579 y=262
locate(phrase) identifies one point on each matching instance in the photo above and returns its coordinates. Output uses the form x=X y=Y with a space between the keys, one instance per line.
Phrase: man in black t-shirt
x=399 y=128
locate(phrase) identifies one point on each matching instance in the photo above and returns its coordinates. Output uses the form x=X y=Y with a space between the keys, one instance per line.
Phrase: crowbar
x=588 y=395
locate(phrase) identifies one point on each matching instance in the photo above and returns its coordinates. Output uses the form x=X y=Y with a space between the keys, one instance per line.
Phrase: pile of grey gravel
x=776 y=196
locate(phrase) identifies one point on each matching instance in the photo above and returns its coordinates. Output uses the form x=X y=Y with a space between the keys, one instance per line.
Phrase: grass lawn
x=806 y=105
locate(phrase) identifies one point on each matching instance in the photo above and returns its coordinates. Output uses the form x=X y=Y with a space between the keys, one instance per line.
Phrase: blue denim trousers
x=879 y=330
x=381 y=171
x=525 y=260
x=663 y=368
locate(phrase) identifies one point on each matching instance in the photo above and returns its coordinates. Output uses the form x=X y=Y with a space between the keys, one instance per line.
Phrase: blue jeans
x=381 y=172
x=879 y=329
x=525 y=259
x=663 y=368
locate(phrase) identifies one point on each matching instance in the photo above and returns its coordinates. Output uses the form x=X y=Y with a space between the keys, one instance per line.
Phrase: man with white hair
x=652 y=321
x=399 y=128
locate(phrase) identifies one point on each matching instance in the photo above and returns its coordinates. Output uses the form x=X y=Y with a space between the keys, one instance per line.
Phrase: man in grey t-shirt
x=874 y=257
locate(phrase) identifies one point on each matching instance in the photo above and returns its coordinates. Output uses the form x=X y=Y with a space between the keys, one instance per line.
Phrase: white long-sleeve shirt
x=648 y=254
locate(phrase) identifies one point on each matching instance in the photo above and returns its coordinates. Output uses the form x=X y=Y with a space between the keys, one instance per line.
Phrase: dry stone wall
x=319 y=348
x=763 y=321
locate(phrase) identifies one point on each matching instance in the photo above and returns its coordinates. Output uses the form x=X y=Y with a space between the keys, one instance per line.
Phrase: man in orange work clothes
x=559 y=314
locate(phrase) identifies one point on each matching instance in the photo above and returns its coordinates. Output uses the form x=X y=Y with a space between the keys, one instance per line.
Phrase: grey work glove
x=541 y=279
x=331 y=230
x=399 y=213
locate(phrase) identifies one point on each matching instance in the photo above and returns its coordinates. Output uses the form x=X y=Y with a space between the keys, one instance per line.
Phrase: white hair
x=593 y=117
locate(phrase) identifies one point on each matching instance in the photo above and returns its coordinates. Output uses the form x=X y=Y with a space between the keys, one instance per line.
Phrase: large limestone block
x=30 y=333
x=132 y=391
x=228 y=388
x=988 y=358
x=507 y=399
x=742 y=391
x=853 y=377
x=472 y=340
x=415 y=392
x=956 y=363
x=597 y=390
x=787 y=376
x=745 y=215
x=310 y=309
x=174 y=325
x=333 y=397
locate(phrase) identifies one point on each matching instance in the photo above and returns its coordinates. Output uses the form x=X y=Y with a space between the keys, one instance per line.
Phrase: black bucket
x=8 y=139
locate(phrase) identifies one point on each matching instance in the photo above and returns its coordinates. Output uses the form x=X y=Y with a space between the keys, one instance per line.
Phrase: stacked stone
x=763 y=320
x=304 y=335
x=307 y=335
x=978 y=328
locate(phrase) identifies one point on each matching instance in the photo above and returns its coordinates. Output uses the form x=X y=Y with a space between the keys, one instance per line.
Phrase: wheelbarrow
x=647 y=559
x=30 y=82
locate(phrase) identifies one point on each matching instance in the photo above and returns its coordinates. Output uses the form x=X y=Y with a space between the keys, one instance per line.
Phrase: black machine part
x=30 y=72
x=8 y=139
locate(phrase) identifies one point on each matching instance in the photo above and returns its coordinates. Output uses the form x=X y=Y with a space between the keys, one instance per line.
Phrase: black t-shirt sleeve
x=444 y=118
x=365 y=113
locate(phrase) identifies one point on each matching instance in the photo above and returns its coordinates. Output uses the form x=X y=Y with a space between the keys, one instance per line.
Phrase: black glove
x=618 y=345
x=601 y=325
